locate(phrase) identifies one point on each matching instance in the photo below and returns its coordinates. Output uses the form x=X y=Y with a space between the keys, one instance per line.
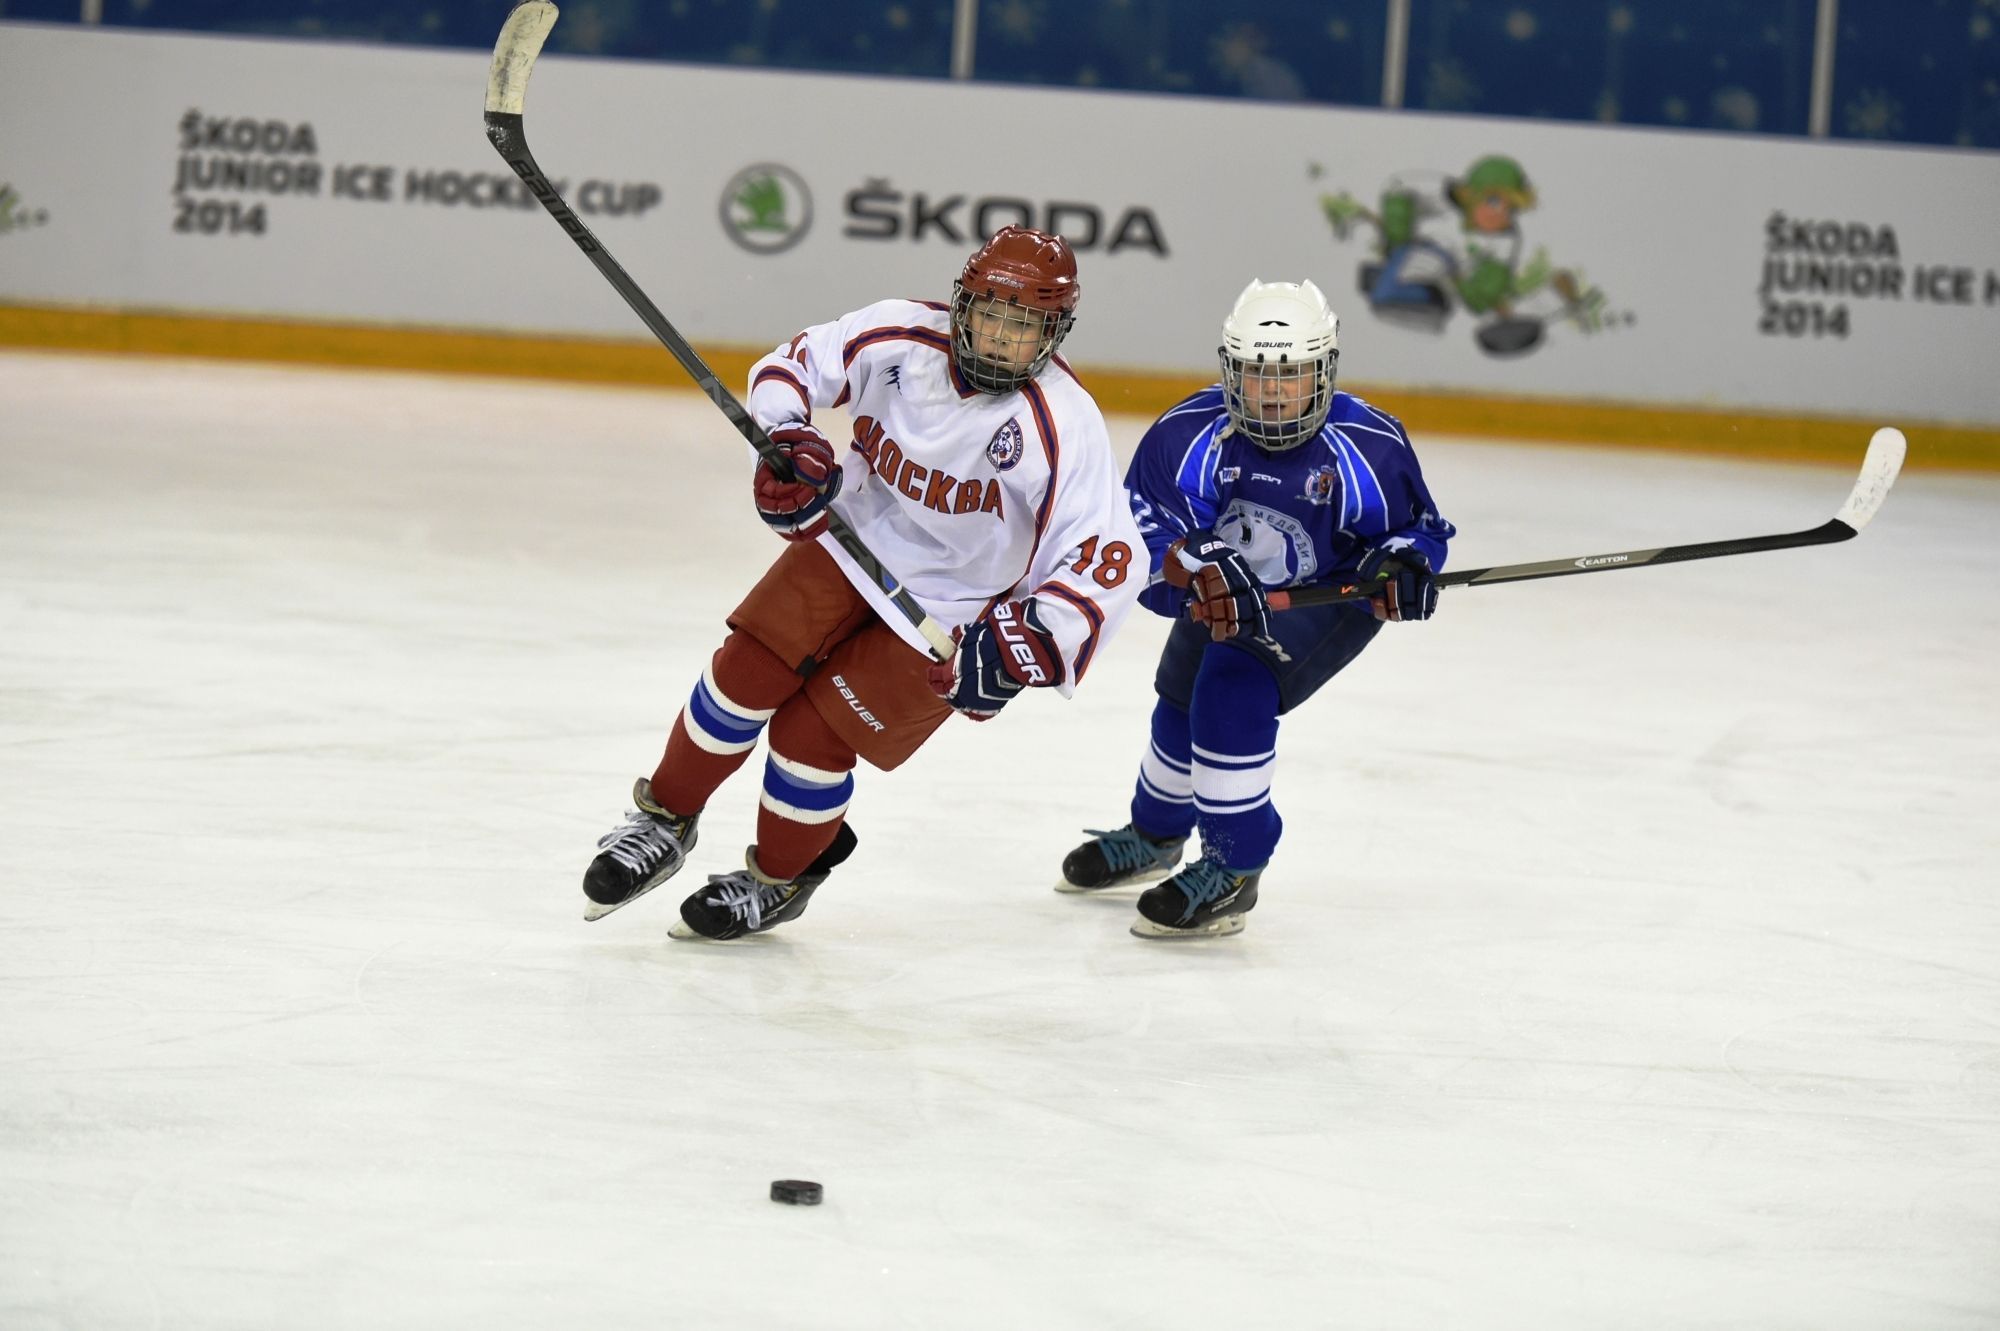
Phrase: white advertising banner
x=352 y=183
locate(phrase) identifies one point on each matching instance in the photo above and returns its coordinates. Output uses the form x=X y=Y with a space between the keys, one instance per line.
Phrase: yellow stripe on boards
x=1426 y=412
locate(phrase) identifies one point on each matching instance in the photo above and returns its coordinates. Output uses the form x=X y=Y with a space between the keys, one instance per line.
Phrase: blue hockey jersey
x=1300 y=516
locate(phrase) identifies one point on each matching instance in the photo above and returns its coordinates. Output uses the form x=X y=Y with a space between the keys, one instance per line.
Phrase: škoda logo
x=766 y=208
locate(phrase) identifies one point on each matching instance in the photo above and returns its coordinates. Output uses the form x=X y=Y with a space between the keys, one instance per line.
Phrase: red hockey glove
x=796 y=509
x=1222 y=591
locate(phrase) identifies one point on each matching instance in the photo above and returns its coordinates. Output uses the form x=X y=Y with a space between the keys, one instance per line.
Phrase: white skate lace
x=746 y=898
x=640 y=842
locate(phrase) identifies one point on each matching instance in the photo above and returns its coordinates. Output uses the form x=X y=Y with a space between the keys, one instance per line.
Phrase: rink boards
x=321 y=201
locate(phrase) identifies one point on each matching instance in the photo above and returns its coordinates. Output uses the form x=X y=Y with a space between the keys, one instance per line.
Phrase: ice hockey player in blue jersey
x=1269 y=479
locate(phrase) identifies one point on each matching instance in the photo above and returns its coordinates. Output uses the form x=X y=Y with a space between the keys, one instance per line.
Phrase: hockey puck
x=795 y=1192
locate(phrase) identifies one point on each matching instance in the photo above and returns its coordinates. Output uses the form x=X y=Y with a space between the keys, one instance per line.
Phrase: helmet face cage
x=1001 y=344
x=1278 y=403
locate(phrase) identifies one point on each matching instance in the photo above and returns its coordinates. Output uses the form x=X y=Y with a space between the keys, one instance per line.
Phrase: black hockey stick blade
x=520 y=42
x=1878 y=472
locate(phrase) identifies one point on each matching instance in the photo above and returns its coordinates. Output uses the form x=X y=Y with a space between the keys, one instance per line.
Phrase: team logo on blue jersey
x=1321 y=484
x=1006 y=446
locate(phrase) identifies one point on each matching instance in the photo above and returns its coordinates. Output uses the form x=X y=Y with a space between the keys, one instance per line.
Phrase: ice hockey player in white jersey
x=1269 y=479
x=980 y=474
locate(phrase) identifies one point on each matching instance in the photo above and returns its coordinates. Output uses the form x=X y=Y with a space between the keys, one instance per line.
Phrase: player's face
x=1277 y=393
x=1004 y=334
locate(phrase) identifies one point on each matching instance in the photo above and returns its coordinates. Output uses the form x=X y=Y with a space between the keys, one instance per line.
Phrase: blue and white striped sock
x=1163 y=803
x=1233 y=726
x=804 y=794
x=718 y=725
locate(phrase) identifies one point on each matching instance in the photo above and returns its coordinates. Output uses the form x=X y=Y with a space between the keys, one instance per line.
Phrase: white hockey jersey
x=968 y=498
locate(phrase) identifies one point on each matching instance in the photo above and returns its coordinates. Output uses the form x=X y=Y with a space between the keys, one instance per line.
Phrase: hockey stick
x=1878 y=473
x=521 y=38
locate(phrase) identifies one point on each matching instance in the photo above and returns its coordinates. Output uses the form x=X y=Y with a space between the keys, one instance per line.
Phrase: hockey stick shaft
x=520 y=42
x=1878 y=472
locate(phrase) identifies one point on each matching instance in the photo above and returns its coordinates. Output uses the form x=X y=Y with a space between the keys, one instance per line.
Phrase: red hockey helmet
x=1012 y=307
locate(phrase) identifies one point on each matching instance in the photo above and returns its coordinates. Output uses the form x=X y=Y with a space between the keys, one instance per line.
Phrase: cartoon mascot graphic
x=1424 y=268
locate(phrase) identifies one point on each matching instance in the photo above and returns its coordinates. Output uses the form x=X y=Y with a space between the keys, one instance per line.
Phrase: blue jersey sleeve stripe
x=1196 y=478
x=1350 y=507
x=1372 y=489
x=1394 y=427
x=1372 y=429
x=1198 y=403
x=1368 y=487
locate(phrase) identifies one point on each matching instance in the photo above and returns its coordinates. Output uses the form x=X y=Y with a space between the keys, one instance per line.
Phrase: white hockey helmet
x=1280 y=351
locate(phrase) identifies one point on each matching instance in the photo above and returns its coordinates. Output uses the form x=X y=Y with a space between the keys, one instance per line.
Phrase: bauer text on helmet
x=1280 y=351
x=1011 y=308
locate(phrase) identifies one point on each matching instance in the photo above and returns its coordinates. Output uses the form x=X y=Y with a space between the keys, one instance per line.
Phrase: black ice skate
x=746 y=902
x=1121 y=858
x=634 y=858
x=1205 y=900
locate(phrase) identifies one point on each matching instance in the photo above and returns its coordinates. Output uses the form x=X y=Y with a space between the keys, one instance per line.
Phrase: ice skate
x=638 y=855
x=1205 y=900
x=1121 y=858
x=748 y=902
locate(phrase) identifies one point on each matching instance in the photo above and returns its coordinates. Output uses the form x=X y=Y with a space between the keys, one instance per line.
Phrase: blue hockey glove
x=999 y=656
x=1222 y=591
x=796 y=509
x=1402 y=582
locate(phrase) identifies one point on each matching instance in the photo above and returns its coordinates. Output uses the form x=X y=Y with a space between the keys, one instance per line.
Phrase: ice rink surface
x=1632 y=958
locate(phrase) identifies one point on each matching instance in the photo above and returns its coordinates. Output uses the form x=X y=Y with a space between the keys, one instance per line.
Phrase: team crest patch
x=1321 y=482
x=1006 y=446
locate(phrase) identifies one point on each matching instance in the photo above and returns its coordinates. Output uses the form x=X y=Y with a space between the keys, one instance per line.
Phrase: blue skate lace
x=1126 y=849
x=1202 y=882
x=640 y=841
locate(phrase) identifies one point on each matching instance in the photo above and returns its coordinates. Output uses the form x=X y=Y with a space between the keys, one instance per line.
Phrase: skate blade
x=680 y=930
x=599 y=910
x=1137 y=879
x=1221 y=928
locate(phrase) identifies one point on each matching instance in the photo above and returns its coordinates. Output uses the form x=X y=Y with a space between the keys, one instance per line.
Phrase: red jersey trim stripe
x=1091 y=615
x=774 y=374
x=1045 y=425
x=930 y=337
